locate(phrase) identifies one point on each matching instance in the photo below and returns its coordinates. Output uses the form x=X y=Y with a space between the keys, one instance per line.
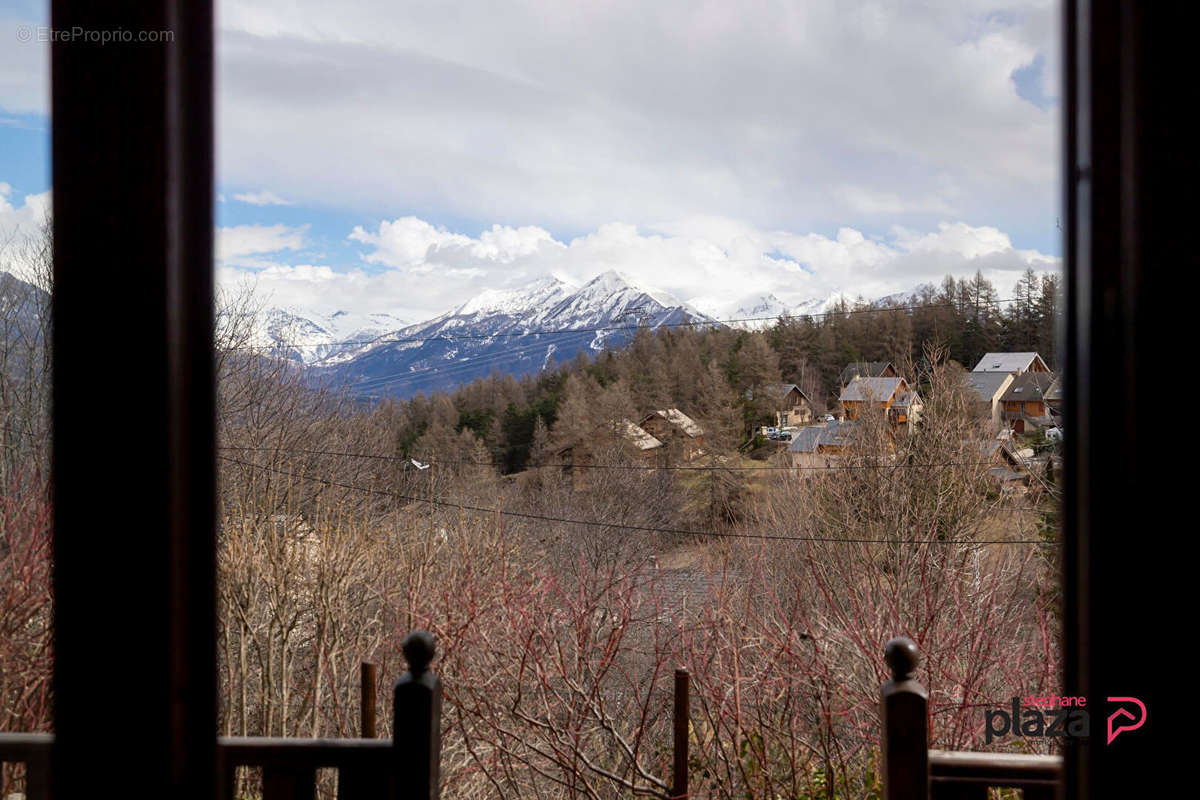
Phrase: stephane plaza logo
x=1036 y=716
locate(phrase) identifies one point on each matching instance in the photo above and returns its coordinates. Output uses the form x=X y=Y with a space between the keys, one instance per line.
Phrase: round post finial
x=902 y=657
x=419 y=650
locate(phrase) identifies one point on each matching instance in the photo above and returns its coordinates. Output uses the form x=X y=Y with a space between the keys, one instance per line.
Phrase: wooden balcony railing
x=911 y=771
x=405 y=768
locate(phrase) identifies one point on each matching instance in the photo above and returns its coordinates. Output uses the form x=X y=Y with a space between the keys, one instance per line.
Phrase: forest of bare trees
x=718 y=374
x=558 y=625
x=561 y=613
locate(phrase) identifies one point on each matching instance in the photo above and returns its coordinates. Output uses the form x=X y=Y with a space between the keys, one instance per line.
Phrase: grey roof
x=991 y=447
x=1028 y=386
x=986 y=384
x=780 y=391
x=678 y=418
x=864 y=369
x=907 y=399
x=1005 y=475
x=1055 y=392
x=870 y=389
x=809 y=439
x=637 y=436
x=1005 y=362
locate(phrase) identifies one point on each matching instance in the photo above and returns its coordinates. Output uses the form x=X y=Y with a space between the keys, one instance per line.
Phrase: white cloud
x=20 y=227
x=24 y=219
x=240 y=244
x=798 y=116
x=263 y=198
x=713 y=261
x=405 y=242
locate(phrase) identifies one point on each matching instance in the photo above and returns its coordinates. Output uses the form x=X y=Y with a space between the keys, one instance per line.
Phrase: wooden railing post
x=679 y=778
x=367 y=701
x=417 y=723
x=903 y=708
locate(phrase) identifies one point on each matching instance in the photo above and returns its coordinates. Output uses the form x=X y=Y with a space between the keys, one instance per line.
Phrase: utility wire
x=623 y=526
x=382 y=457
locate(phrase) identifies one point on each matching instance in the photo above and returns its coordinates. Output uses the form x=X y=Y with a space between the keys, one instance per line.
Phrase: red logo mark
x=1124 y=713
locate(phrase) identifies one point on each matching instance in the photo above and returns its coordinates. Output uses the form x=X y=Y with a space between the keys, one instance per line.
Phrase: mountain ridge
x=517 y=330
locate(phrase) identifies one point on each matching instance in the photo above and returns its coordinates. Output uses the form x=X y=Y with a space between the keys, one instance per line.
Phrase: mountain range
x=515 y=331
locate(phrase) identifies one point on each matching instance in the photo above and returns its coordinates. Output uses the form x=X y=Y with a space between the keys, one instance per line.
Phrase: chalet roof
x=1006 y=362
x=907 y=399
x=991 y=448
x=987 y=384
x=1055 y=390
x=639 y=437
x=1028 y=386
x=635 y=435
x=1005 y=475
x=678 y=418
x=810 y=439
x=870 y=389
x=781 y=390
x=864 y=369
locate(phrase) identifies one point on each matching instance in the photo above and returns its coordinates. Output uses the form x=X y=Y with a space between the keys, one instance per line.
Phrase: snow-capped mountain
x=312 y=337
x=758 y=311
x=515 y=331
x=752 y=312
x=22 y=305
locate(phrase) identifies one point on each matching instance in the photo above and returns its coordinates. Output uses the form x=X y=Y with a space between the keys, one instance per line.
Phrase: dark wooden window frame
x=133 y=449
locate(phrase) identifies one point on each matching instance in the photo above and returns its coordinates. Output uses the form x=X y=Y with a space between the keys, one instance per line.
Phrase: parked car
x=785 y=436
x=829 y=418
x=772 y=432
x=1054 y=434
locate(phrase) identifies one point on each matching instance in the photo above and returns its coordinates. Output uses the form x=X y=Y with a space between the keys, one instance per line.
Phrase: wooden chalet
x=618 y=436
x=906 y=408
x=792 y=405
x=818 y=447
x=676 y=430
x=862 y=393
x=1024 y=402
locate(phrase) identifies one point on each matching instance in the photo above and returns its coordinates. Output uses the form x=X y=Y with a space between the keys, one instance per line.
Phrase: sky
x=402 y=157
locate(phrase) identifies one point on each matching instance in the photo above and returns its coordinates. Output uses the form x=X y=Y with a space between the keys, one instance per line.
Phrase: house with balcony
x=906 y=408
x=886 y=393
x=792 y=405
x=1023 y=404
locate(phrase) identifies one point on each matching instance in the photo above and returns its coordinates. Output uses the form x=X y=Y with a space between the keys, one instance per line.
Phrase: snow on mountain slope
x=758 y=311
x=312 y=337
x=515 y=331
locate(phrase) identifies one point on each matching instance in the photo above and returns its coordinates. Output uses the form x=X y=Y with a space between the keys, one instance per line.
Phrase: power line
x=651 y=467
x=623 y=526
x=411 y=375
